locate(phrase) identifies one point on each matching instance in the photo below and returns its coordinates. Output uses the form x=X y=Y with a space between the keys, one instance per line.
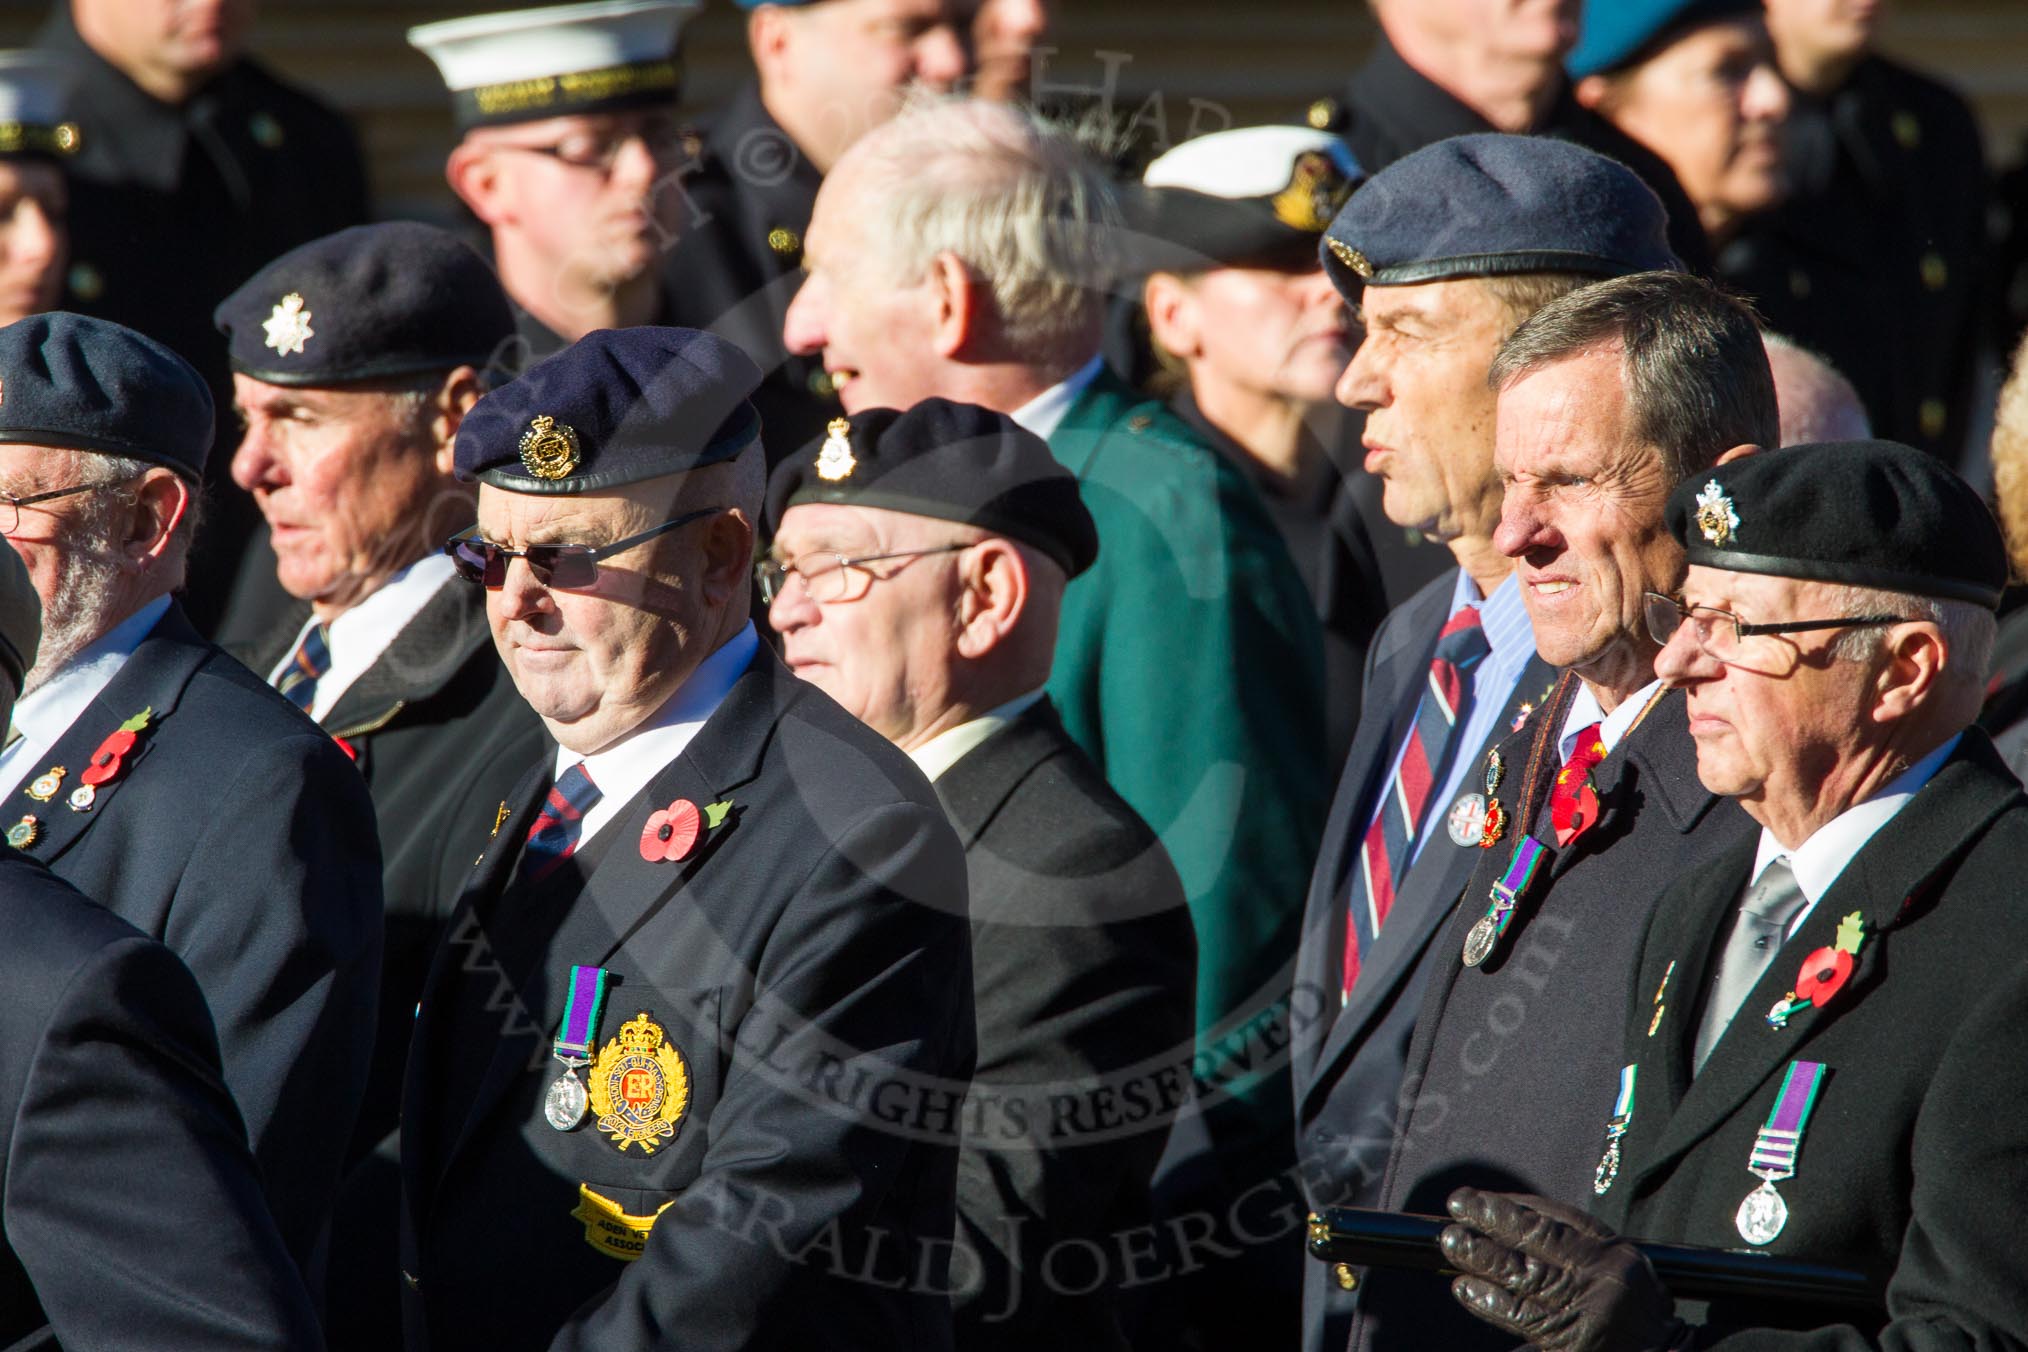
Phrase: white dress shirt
x=624 y=769
x=1044 y=413
x=1612 y=727
x=952 y=745
x=359 y=636
x=45 y=716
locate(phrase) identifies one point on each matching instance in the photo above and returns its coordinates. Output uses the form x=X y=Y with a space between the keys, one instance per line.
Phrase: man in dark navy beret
x=1445 y=252
x=1823 y=1062
x=113 y=1043
x=355 y=358
x=693 y=1052
x=915 y=575
x=160 y=776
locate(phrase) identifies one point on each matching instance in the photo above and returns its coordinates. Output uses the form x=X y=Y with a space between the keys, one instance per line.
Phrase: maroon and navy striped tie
x=554 y=835
x=1385 y=853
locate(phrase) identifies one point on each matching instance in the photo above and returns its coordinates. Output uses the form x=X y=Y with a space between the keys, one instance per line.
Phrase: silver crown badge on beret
x=288 y=326
x=834 y=460
x=1715 y=517
x=549 y=448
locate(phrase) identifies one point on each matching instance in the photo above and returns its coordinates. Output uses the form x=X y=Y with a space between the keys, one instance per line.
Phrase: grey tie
x=1756 y=937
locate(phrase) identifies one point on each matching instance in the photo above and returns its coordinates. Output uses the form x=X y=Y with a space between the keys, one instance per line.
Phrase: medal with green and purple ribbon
x=1623 y=1117
x=567 y=1101
x=1522 y=866
x=1763 y=1214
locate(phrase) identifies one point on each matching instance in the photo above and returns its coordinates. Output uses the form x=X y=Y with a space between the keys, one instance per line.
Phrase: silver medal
x=566 y=1102
x=1762 y=1215
x=1479 y=943
x=1467 y=821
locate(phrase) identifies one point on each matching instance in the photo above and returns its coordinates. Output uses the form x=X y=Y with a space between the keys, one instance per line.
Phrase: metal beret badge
x=549 y=448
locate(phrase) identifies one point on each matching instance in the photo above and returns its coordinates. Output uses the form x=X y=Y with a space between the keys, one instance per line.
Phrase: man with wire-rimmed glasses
x=1822 y=1059
x=691 y=1054
x=163 y=779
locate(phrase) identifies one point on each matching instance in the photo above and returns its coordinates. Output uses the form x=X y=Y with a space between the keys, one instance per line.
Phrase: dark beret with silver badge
x=614 y=408
x=1248 y=197
x=89 y=384
x=1493 y=205
x=955 y=462
x=1614 y=34
x=370 y=303
x=1861 y=513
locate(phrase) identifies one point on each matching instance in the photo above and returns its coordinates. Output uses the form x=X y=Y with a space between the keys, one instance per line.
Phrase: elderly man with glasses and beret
x=916 y=571
x=355 y=358
x=162 y=778
x=1822 y=1062
x=692 y=1055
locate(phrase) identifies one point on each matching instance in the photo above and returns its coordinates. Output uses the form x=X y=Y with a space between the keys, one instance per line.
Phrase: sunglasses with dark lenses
x=564 y=567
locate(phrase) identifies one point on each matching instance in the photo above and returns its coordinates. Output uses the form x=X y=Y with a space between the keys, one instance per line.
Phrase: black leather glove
x=1554 y=1276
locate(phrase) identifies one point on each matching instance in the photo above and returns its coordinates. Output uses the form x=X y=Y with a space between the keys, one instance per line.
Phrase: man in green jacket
x=963 y=251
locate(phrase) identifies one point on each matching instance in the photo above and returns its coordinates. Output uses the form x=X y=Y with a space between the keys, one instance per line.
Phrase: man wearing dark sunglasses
x=1822 y=1061
x=712 y=966
x=355 y=358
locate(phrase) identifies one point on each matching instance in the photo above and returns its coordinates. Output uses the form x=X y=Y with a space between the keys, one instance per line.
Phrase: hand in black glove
x=1554 y=1276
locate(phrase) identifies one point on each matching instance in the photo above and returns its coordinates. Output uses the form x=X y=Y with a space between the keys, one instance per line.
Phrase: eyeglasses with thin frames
x=831 y=579
x=1723 y=635
x=660 y=136
x=563 y=567
x=11 y=505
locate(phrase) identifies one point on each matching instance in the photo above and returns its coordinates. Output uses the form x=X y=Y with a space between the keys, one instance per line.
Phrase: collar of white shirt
x=1044 y=413
x=1818 y=861
x=43 y=717
x=1585 y=711
x=360 y=635
x=624 y=769
x=952 y=745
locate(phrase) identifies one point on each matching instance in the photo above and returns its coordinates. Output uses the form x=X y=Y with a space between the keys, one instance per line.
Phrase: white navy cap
x=527 y=64
x=35 y=102
x=1245 y=161
x=1249 y=197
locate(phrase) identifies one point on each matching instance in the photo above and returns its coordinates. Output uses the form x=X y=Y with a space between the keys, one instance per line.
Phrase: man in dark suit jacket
x=112 y=1050
x=1453 y=239
x=1598 y=805
x=1820 y=1052
x=733 y=915
x=1083 y=958
x=348 y=421
x=163 y=778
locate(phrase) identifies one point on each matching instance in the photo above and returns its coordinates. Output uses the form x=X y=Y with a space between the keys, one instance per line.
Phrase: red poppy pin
x=673 y=832
x=1824 y=972
x=109 y=761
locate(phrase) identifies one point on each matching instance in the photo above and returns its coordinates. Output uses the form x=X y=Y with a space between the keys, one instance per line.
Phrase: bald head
x=1817 y=402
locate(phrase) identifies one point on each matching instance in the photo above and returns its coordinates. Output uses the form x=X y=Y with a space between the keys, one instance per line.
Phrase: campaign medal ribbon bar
x=1763 y=1214
x=1623 y=1117
x=1492 y=926
x=567 y=1101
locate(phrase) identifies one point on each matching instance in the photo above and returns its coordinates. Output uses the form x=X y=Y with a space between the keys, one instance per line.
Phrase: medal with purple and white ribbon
x=1763 y=1214
x=1522 y=866
x=1623 y=1117
x=567 y=1100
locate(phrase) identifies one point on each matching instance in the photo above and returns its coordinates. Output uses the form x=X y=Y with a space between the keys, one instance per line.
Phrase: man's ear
x=728 y=560
x=960 y=309
x=1592 y=92
x=1172 y=315
x=767 y=37
x=995 y=596
x=1740 y=452
x=454 y=399
x=163 y=499
x=473 y=172
x=1909 y=677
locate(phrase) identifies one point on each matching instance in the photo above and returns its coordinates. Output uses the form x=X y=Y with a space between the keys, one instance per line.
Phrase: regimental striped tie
x=554 y=835
x=1389 y=845
x=313 y=658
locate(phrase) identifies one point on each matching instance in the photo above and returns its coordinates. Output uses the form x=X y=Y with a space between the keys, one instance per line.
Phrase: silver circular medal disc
x=1762 y=1215
x=1467 y=822
x=565 y=1103
x=1479 y=943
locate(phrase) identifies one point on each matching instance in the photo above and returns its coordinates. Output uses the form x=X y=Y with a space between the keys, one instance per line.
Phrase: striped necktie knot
x=313 y=658
x=553 y=836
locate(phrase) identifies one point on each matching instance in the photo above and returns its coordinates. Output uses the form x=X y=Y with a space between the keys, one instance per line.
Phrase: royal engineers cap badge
x=1715 y=517
x=639 y=1086
x=288 y=326
x=549 y=448
x=834 y=460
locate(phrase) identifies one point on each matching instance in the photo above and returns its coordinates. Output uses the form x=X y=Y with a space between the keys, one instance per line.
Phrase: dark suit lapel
x=430 y=649
x=152 y=679
x=1888 y=881
x=1653 y=769
x=976 y=787
x=1432 y=888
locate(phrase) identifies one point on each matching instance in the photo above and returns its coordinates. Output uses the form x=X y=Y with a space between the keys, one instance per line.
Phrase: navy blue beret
x=1616 y=33
x=613 y=408
x=954 y=462
x=1861 y=513
x=1494 y=205
x=369 y=303
x=92 y=385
